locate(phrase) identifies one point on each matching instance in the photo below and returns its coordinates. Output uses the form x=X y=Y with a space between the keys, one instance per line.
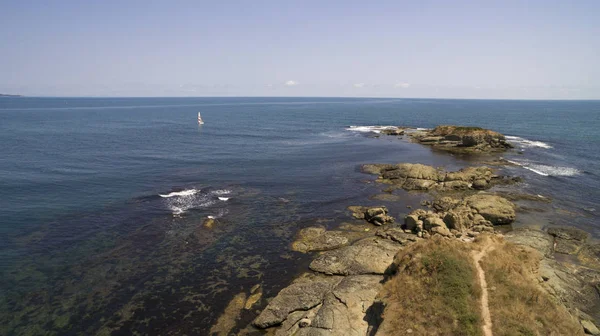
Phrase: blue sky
x=449 y=49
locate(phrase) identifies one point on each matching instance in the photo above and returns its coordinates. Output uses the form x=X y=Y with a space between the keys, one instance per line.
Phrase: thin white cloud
x=291 y=83
x=402 y=85
x=359 y=85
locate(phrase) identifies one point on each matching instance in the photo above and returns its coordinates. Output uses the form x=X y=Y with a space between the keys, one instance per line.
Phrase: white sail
x=200 y=122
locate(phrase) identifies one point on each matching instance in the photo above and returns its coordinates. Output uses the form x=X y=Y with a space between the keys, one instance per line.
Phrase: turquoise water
x=88 y=243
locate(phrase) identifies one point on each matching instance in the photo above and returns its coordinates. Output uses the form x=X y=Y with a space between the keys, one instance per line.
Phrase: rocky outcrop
x=462 y=139
x=453 y=217
x=371 y=255
x=374 y=215
x=495 y=209
x=415 y=176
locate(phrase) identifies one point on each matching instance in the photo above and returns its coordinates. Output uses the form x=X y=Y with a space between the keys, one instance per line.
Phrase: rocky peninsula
x=452 y=267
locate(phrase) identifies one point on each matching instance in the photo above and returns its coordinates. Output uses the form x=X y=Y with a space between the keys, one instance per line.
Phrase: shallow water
x=103 y=200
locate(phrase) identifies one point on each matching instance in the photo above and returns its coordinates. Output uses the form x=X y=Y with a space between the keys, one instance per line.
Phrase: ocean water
x=102 y=200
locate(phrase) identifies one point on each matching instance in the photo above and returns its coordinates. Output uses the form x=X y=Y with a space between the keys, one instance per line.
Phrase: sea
x=103 y=200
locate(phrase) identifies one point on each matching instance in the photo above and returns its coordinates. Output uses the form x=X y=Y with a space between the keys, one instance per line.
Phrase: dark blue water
x=88 y=244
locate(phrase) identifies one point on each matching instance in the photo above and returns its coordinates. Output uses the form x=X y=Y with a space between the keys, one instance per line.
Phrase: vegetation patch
x=518 y=304
x=434 y=291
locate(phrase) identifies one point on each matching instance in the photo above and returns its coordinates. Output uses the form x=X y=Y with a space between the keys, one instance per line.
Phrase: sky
x=539 y=49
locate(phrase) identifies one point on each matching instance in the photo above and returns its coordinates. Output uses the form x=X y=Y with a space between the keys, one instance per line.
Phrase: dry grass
x=518 y=305
x=434 y=292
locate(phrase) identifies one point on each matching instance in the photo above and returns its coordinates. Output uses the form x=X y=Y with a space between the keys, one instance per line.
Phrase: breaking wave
x=187 y=192
x=369 y=129
x=546 y=170
x=525 y=143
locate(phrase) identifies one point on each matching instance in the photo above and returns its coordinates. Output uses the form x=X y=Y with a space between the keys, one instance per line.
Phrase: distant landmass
x=9 y=95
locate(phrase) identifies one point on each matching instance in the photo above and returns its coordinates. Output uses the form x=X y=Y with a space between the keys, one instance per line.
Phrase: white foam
x=188 y=192
x=224 y=198
x=525 y=143
x=369 y=129
x=546 y=170
x=221 y=192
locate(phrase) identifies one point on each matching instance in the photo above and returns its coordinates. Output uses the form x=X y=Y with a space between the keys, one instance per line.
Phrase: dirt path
x=485 y=308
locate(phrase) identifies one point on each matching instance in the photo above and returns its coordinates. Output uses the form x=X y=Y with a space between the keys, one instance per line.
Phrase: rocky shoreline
x=344 y=290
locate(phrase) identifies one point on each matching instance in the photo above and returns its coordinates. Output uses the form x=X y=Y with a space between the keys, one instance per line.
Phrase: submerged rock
x=318 y=239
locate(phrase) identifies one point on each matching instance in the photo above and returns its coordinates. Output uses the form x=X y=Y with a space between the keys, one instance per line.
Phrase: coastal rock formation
x=374 y=215
x=415 y=176
x=577 y=286
x=371 y=255
x=452 y=217
x=393 y=131
x=462 y=139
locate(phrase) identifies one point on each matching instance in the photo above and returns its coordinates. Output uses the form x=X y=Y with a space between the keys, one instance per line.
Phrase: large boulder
x=495 y=209
x=371 y=255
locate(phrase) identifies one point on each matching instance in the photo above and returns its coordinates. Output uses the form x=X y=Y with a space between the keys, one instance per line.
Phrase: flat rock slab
x=536 y=239
x=568 y=240
x=345 y=310
x=303 y=294
x=371 y=255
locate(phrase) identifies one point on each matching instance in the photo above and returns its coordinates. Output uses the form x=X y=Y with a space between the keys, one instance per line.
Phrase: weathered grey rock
x=371 y=255
x=345 y=309
x=318 y=239
x=303 y=294
x=570 y=288
x=568 y=240
x=536 y=239
x=496 y=209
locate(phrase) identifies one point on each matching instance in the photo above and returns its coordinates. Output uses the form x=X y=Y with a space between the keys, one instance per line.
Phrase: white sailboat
x=200 y=122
